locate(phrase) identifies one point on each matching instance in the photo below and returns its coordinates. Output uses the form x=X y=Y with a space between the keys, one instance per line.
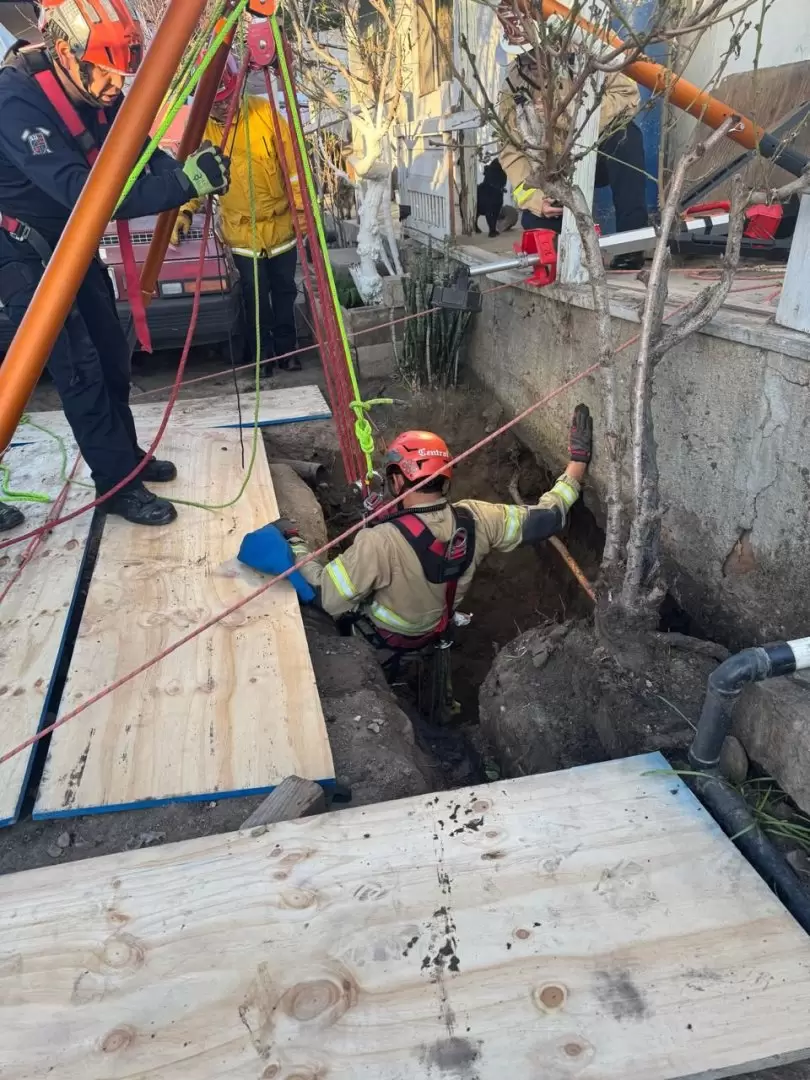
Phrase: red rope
x=338 y=400
x=175 y=386
x=209 y=623
x=33 y=547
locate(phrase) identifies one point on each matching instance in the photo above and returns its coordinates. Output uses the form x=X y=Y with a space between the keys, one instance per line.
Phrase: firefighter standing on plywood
x=56 y=107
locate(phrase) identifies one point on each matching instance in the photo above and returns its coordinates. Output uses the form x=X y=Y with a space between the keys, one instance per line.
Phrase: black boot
x=10 y=517
x=630 y=260
x=156 y=471
x=141 y=507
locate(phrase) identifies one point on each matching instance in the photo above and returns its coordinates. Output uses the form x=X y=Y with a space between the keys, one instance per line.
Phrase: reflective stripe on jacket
x=274 y=225
x=381 y=575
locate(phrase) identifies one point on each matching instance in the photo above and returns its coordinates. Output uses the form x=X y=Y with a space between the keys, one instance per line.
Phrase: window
x=434 y=64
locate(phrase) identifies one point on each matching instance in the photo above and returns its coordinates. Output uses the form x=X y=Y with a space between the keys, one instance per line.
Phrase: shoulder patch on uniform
x=37 y=141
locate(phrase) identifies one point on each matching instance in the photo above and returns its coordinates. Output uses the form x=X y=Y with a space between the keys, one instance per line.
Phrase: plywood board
x=287 y=405
x=35 y=612
x=593 y=923
x=232 y=712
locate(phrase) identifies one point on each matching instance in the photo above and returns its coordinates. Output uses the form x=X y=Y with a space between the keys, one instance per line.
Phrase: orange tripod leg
x=685 y=95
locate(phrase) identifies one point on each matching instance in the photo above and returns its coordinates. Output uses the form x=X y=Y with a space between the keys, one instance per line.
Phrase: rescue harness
x=442 y=564
x=35 y=62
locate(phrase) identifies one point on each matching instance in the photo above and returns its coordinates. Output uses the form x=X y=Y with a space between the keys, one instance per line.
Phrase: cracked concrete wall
x=733 y=434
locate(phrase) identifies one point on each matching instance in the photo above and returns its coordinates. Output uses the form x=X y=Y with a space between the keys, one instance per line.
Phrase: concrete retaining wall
x=733 y=432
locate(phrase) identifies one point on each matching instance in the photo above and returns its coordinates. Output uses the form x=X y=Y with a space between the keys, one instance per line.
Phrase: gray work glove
x=580 y=439
x=208 y=171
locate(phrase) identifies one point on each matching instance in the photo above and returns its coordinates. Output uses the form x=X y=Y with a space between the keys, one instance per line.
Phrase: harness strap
x=69 y=116
x=87 y=144
x=442 y=564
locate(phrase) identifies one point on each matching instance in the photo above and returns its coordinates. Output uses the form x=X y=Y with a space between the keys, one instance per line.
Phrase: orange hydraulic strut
x=192 y=136
x=685 y=95
x=78 y=244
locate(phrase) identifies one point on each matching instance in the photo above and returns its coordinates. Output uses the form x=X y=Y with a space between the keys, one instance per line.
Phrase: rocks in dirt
x=492 y=416
x=372 y=739
x=555 y=698
x=145 y=839
x=772 y=720
x=733 y=760
x=58 y=849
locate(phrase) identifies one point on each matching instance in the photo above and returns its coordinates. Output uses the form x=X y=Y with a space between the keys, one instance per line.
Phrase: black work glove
x=208 y=171
x=580 y=440
x=286 y=527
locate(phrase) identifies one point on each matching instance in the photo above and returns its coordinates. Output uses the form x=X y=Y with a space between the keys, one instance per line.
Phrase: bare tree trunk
x=575 y=201
x=641 y=593
x=388 y=232
x=369 y=246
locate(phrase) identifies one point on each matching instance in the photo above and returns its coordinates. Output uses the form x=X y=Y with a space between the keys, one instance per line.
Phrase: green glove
x=208 y=172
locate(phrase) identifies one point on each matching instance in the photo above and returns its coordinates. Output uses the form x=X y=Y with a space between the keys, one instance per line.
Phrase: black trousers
x=89 y=363
x=619 y=165
x=277 y=295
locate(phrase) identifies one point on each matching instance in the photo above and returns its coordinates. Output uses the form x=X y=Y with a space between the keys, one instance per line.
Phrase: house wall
x=732 y=425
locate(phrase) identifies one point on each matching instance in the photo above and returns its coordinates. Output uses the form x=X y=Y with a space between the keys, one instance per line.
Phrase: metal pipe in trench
x=725 y=803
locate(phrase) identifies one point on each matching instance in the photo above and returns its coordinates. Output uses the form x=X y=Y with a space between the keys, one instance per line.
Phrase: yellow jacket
x=620 y=104
x=274 y=226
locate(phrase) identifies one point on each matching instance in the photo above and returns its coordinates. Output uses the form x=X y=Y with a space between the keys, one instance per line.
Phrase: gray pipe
x=312 y=471
x=726 y=805
x=726 y=683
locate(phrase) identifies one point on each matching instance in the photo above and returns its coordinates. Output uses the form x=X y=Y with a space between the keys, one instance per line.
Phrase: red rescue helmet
x=229 y=80
x=418 y=454
x=101 y=32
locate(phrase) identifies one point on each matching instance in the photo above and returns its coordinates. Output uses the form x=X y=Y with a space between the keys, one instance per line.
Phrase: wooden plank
x=591 y=923
x=287 y=405
x=293 y=798
x=36 y=610
x=794 y=304
x=232 y=712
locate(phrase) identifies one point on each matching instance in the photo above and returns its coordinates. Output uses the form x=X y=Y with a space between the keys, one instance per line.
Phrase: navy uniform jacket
x=43 y=170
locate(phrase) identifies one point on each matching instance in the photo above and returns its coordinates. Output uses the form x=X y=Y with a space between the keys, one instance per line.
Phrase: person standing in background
x=274 y=333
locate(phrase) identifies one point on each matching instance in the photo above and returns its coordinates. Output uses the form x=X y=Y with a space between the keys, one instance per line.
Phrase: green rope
x=35 y=496
x=18 y=496
x=256 y=300
x=193 y=52
x=362 y=425
x=177 y=104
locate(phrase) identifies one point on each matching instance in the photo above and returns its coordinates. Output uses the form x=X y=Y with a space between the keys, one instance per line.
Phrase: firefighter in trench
x=57 y=103
x=403 y=577
x=274 y=333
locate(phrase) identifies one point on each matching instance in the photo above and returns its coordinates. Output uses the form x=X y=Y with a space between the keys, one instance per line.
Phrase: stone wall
x=733 y=432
